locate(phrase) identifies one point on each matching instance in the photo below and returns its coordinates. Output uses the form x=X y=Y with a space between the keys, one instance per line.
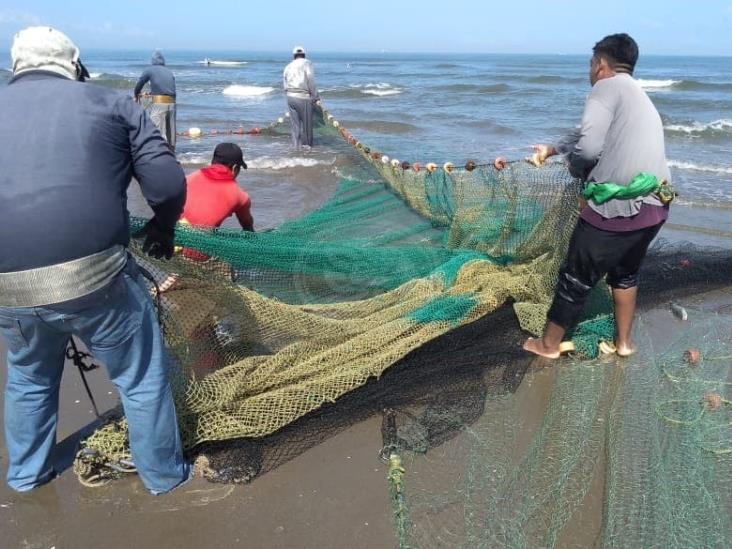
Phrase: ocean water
x=420 y=107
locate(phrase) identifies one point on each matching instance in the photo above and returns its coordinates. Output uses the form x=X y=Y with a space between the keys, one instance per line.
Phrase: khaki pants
x=163 y=116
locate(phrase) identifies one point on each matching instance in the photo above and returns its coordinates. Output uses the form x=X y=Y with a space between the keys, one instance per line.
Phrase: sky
x=674 y=27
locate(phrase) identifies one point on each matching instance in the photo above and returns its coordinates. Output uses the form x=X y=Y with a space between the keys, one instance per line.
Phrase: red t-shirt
x=213 y=195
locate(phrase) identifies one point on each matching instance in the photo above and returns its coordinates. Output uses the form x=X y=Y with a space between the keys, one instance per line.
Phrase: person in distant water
x=162 y=88
x=302 y=94
x=621 y=135
x=64 y=268
x=213 y=194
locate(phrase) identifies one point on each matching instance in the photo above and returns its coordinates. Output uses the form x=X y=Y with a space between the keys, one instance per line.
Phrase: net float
x=535 y=160
x=470 y=165
x=430 y=167
x=416 y=166
x=692 y=356
x=448 y=167
x=712 y=401
x=384 y=159
x=194 y=132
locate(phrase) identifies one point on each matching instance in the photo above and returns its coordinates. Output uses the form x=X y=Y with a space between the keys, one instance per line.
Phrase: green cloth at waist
x=642 y=184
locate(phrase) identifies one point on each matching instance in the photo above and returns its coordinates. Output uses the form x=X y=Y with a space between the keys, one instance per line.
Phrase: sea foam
x=690 y=166
x=237 y=90
x=701 y=129
x=657 y=84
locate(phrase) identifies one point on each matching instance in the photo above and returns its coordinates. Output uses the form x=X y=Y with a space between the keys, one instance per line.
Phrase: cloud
x=17 y=17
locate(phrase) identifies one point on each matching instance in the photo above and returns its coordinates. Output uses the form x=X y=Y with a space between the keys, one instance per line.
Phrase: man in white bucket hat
x=68 y=151
x=302 y=94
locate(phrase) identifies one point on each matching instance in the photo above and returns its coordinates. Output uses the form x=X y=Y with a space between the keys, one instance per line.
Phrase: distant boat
x=218 y=63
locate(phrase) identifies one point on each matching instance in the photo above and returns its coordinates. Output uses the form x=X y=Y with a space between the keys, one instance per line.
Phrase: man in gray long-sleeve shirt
x=162 y=88
x=621 y=136
x=298 y=80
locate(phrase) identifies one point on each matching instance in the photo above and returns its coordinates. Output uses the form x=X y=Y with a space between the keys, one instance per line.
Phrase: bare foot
x=625 y=349
x=537 y=347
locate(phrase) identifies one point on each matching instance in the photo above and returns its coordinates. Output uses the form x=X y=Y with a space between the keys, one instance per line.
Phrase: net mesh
x=409 y=291
x=266 y=327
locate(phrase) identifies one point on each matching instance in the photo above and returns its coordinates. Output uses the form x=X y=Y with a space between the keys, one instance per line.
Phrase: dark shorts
x=593 y=254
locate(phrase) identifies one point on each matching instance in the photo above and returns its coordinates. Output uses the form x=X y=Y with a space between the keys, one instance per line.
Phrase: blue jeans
x=119 y=326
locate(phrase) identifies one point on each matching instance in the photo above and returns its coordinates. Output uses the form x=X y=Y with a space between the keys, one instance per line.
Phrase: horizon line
x=285 y=52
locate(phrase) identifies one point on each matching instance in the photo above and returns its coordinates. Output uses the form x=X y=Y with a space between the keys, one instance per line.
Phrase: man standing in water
x=162 y=88
x=621 y=137
x=302 y=94
x=68 y=152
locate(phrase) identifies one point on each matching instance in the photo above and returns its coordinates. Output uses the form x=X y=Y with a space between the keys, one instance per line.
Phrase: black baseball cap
x=229 y=154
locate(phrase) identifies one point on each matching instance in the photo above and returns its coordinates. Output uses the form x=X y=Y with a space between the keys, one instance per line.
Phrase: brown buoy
x=713 y=401
x=692 y=356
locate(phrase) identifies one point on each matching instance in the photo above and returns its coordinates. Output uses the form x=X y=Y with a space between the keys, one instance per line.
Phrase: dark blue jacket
x=162 y=81
x=68 y=152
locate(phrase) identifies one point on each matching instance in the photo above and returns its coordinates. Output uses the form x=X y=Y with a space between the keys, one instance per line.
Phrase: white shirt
x=298 y=79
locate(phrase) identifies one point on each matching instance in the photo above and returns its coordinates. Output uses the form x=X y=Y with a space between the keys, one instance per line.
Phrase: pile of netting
x=408 y=294
x=266 y=327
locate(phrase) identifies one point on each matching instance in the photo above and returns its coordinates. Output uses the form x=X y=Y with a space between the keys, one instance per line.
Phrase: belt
x=63 y=281
x=163 y=99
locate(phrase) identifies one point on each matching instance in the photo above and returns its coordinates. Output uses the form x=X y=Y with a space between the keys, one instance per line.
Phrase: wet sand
x=332 y=495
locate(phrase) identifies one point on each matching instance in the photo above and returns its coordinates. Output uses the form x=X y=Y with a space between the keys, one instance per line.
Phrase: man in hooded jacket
x=162 y=89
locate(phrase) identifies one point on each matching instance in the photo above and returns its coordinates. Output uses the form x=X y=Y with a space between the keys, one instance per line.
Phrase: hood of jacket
x=158 y=59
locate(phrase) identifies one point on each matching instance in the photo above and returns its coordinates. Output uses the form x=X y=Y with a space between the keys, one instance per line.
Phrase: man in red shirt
x=213 y=194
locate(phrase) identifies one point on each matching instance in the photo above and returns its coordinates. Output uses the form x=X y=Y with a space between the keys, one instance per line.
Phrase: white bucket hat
x=298 y=49
x=44 y=49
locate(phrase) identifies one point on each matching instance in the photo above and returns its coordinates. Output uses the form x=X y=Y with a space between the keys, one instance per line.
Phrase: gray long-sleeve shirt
x=298 y=80
x=621 y=135
x=161 y=78
x=69 y=152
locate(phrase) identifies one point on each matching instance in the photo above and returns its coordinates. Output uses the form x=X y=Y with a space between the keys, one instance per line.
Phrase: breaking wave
x=684 y=85
x=284 y=163
x=237 y=90
x=690 y=166
x=354 y=91
x=716 y=128
x=657 y=84
x=259 y=163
